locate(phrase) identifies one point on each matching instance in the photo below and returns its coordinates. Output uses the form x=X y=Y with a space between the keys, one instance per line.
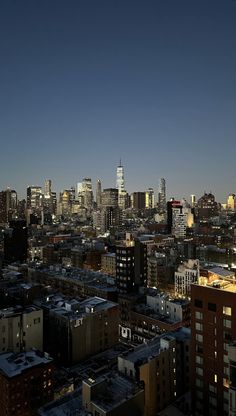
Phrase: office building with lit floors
x=213 y=328
x=131 y=266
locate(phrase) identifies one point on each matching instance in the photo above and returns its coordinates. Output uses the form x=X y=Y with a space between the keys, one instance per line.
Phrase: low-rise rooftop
x=12 y=364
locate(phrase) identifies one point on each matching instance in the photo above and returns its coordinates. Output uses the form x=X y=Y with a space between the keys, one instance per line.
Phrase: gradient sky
x=85 y=82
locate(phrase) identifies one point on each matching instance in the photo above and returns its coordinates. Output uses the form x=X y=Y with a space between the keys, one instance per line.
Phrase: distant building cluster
x=117 y=304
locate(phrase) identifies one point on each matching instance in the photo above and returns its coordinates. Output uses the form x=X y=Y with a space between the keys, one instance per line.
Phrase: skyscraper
x=149 y=198
x=99 y=193
x=162 y=195
x=120 y=180
x=8 y=205
x=193 y=201
x=84 y=193
x=34 y=197
x=47 y=188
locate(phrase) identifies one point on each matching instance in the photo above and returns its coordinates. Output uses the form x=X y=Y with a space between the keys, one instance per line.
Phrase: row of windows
x=226 y=310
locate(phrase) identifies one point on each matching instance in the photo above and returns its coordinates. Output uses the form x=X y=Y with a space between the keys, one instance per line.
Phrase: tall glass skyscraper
x=162 y=195
x=120 y=180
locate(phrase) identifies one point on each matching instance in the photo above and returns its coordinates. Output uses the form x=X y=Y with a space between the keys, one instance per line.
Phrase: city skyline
x=153 y=83
x=155 y=188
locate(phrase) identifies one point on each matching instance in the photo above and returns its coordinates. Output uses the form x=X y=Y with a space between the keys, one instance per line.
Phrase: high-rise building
x=131 y=266
x=193 y=201
x=99 y=193
x=231 y=202
x=87 y=192
x=207 y=206
x=149 y=199
x=213 y=328
x=8 y=205
x=120 y=179
x=170 y=205
x=64 y=206
x=120 y=185
x=138 y=200
x=47 y=202
x=109 y=197
x=182 y=218
x=54 y=203
x=34 y=198
x=48 y=188
x=162 y=195
x=16 y=242
x=84 y=193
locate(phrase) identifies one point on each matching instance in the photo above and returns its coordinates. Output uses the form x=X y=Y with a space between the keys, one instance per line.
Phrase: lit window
x=215 y=378
x=227 y=310
x=198 y=326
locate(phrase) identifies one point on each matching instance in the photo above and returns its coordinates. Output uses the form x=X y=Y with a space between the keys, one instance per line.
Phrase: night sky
x=85 y=82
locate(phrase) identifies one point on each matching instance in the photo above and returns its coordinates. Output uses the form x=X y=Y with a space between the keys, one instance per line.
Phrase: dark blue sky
x=85 y=82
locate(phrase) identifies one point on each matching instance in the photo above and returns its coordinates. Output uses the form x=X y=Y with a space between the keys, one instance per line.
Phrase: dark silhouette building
x=207 y=206
x=16 y=242
x=139 y=200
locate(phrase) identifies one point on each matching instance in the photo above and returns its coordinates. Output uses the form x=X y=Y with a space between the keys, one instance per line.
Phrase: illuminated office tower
x=120 y=185
x=34 y=197
x=48 y=188
x=109 y=198
x=120 y=180
x=47 y=203
x=87 y=192
x=149 y=198
x=99 y=193
x=231 y=202
x=79 y=193
x=162 y=195
x=193 y=201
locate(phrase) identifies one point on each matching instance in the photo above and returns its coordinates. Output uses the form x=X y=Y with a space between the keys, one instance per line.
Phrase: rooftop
x=12 y=365
x=221 y=272
x=117 y=389
x=17 y=310
x=152 y=348
x=78 y=276
x=75 y=308
x=68 y=405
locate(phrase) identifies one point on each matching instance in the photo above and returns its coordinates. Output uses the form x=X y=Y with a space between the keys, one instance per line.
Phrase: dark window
x=198 y=303
x=212 y=307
